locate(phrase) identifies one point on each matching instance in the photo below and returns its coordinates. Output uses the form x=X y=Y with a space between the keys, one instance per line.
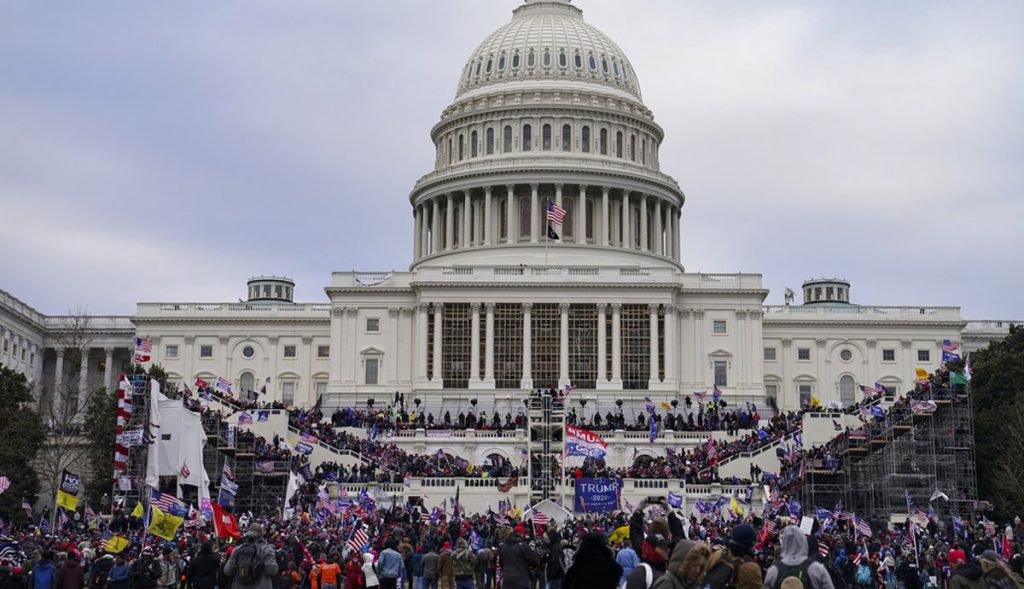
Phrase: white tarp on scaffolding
x=177 y=444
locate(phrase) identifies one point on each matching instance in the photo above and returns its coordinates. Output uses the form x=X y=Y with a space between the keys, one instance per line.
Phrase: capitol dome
x=547 y=156
x=548 y=40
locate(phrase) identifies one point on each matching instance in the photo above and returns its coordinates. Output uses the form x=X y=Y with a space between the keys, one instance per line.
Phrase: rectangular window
x=721 y=379
x=769 y=353
x=373 y=326
x=206 y=351
x=718 y=326
x=171 y=351
x=323 y=351
x=32 y=359
x=288 y=393
x=803 y=354
x=321 y=389
x=289 y=351
x=888 y=355
x=771 y=391
x=371 y=370
x=805 y=394
x=924 y=356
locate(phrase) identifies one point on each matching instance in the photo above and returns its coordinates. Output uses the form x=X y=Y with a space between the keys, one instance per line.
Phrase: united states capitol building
x=497 y=301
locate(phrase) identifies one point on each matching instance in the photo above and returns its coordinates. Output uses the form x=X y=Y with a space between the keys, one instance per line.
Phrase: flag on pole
x=967 y=368
x=67 y=493
x=224 y=523
x=115 y=544
x=143 y=348
x=162 y=524
x=359 y=538
x=26 y=506
x=556 y=214
x=5 y=483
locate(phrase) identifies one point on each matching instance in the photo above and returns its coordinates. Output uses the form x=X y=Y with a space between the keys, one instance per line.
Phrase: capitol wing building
x=546 y=253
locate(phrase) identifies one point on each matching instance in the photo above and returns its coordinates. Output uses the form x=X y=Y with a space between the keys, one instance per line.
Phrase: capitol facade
x=499 y=301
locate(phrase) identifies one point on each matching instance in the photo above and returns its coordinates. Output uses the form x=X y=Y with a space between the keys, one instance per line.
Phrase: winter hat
x=989 y=555
x=744 y=535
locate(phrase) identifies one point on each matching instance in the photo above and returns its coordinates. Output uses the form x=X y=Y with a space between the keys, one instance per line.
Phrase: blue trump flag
x=596 y=495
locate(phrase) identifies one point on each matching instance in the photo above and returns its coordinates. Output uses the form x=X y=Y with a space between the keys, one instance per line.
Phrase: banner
x=923 y=407
x=129 y=438
x=596 y=495
x=67 y=494
x=581 y=442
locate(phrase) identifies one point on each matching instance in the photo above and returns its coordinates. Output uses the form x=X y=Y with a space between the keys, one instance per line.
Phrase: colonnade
x=510 y=214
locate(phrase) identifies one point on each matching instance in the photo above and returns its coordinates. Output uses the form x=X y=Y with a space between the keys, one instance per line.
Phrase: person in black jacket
x=554 y=572
x=516 y=561
x=145 y=571
x=202 y=571
x=670 y=527
x=594 y=565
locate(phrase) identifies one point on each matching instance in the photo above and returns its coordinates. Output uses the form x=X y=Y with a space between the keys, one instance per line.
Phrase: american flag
x=5 y=483
x=245 y=418
x=540 y=518
x=228 y=471
x=358 y=539
x=223 y=383
x=62 y=520
x=556 y=214
x=990 y=527
x=949 y=345
x=823 y=549
x=143 y=347
x=26 y=506
x=863 y=528
x=168 y=503
x=424 y=517
x=184 y=472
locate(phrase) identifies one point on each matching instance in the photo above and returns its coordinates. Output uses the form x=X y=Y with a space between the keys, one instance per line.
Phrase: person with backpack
x=685 y=569
x=253 y=565
x=517 y=559
x=733 y=566
x=43 y=573
x=554 y=569
x=653 y=560
x=370 y=572
x=202 y=571
x=862 y=578
x=795 y=569
x=628 y=560
x=463 y=564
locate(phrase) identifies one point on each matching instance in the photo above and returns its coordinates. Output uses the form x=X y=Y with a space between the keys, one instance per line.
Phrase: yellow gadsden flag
x=67 y=493
x=164 y=525
x=619 y=534
x=735 y=507
x=115 y=544
x=138 y=511
x=921 y=373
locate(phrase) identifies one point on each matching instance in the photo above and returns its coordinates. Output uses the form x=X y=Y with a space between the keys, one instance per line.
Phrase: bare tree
x=1008 y=467
x=63 y=407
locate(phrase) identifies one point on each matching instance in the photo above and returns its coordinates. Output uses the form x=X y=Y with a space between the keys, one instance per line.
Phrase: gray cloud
x=167 y=152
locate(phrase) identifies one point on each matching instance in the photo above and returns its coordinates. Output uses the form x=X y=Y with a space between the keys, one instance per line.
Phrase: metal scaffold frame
x=546 y=445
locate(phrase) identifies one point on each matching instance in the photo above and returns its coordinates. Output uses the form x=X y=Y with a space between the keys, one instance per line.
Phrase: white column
x=653 y=348
x=617 y=344
x=627 y=227
x=581 y=215
x=435 y=234
x=58 y=383
x=488 y=217
x=449 y=222
x=510 y=207
x=474 y=348
x=464 y=240
x=643 y=222
x=741 y=350
x=699 y=361
x=108 y=367
x=527 y=379
x=489 y=360
x=394 y=326
x=421 y=341
x=83 y=380
x=418 y=240
x=605 y=220
x=535 y=215
x=671 y=319
x=659 y=230
x=438 y=317
x=675 y=234
x=602 y=371
x=563 y=346
x=337 y=329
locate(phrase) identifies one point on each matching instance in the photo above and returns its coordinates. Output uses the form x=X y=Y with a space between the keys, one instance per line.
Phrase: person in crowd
x=430 y=560
x=370 y=572
x=253 y=565
x=70 y=574
x=43 y=573
x=994 y=572
x=118 y=576
x=686 y=566
x=517 y=561
x=794 y=561
x=389 y=565
x=445 y=570
x=653 y=560
x=463 y=564
x=202 y=569
x=628 y=560
x=967 y=574
x=733 y=566
x=593 y=565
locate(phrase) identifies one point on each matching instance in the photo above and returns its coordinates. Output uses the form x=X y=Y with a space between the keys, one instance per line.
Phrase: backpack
x=250 y=564
x=722 y=570
x=863 y=575
x=793 y=576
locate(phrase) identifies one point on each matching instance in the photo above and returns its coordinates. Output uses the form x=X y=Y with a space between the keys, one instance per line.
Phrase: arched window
x=515 y=60
x=592 y=62
x=585 y=139
x=590 y=218
x=246 y=382
x=578 y=60
x=566 y=138
x=603 y=141
x=490 y=141
x=632 y=147
x=545 y=137
x=604 y=65
x=501 y=62
x=527 y=137
x=506 y=140
x=562 y=59
x=846 y=390
x=462 y=146
x=477 y=72
x=490 y=62
x=524 y=218
x=547 y=58
x=618 y=144
x=473 y=137
x=570 y=218
x=502 y=219
x=616 y=65
x=531 y=59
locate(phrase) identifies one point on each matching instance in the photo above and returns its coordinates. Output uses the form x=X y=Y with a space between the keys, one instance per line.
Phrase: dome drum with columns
x=548 y=110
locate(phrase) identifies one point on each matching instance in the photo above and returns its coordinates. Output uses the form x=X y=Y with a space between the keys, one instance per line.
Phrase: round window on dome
x=578 y=60
x=248 y=352
x=515 y=60
x=846 y=355
x=501 y=63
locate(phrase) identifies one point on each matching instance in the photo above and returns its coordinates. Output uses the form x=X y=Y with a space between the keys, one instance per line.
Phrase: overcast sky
x=166 y=151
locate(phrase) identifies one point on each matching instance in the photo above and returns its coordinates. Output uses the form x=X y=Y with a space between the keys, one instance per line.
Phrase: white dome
x=548 y=40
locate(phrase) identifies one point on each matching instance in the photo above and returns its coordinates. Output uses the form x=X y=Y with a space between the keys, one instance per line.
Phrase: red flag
x=225 y=523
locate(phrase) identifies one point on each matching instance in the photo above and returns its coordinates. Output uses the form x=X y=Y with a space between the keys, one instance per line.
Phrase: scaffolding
x=547 y=434
x=872 y=470
x=129 y=488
